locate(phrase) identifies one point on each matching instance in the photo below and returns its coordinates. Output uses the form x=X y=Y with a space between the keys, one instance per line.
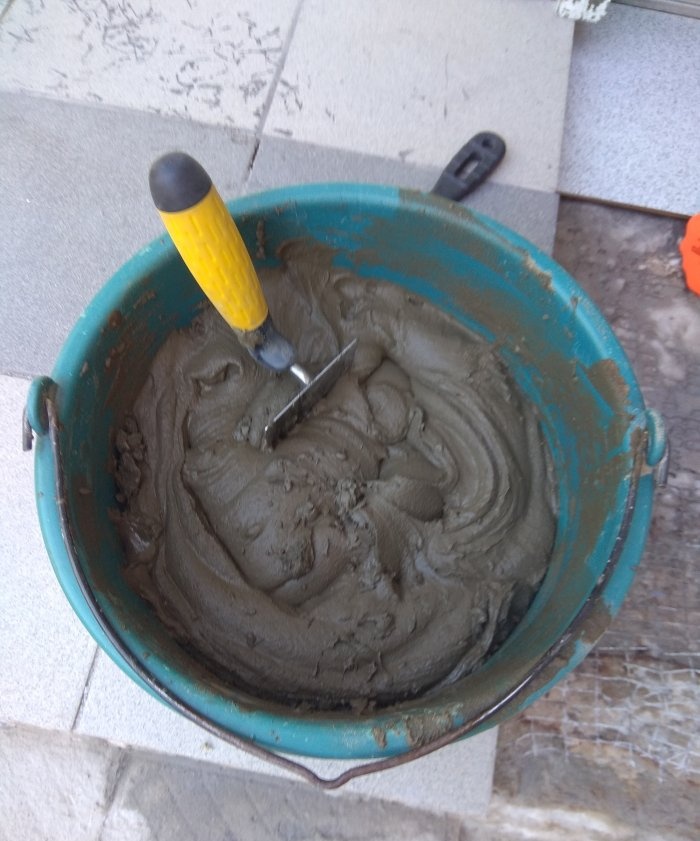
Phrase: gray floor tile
x=280 y=161
x=55 y=786
x=531 y=213
x=46 y=652
x=116 y=709
x=207 y=60
x=633 y=111
x=412 y=80
x=76 y=206
x=194 y=802
x=65 y=787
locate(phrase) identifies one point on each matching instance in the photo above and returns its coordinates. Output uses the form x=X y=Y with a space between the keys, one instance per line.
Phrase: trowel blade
x=310 y=394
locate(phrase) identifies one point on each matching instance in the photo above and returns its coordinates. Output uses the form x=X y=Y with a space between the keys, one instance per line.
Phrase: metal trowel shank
x=313 y=389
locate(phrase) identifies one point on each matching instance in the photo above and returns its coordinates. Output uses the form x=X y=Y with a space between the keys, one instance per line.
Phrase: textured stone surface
x=208 y=60
x=632 y=111
x=205 y=803
x=65 y=787
x=620 y=734
x=55 y=787
x=45 y=651
x=76 y=205
x=455 y=779
x=407 y=81
x=281 y=161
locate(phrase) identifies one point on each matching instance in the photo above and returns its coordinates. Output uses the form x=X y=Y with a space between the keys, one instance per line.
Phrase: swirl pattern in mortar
x=386 y=546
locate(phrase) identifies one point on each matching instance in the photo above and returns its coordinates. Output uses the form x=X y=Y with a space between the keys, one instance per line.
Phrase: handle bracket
x=471 y=166
x=35 y=417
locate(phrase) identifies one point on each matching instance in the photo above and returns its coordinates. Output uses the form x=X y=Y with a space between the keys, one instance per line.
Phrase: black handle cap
x=177 y=182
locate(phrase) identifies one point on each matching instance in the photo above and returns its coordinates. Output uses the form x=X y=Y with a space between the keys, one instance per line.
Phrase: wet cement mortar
x=385 y=546
x=615 y=745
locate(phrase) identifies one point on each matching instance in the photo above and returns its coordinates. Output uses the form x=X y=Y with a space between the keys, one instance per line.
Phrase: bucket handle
x=41 y=416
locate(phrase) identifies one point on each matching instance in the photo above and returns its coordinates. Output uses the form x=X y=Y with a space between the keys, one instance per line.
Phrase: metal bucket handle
x=41 y=416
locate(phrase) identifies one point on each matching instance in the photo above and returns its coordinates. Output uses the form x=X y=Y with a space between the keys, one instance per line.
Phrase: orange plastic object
x=690 y=252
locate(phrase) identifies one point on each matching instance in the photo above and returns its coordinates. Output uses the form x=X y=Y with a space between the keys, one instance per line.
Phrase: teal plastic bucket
x=558 y=347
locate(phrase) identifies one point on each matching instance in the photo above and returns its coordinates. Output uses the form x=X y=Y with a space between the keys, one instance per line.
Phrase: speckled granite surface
x=633 y=111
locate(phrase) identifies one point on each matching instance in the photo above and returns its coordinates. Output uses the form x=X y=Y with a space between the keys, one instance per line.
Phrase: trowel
x=213 y=250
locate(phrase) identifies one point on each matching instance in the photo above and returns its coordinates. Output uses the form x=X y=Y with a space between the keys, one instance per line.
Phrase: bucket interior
x=555 y=343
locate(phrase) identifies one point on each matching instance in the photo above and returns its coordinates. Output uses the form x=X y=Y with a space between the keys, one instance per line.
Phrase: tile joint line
x=86 y=689
x=7 y=8
x=278 y=72
x=113 y=787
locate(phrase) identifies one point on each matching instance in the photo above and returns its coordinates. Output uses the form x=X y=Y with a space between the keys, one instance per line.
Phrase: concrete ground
x=90 y=94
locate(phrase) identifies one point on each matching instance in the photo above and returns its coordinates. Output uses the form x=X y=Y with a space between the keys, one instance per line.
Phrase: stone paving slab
x=455 y=779
x=55 y=788
x=63 y=787
x=633 y=110
x=76 y=205
x=204 y=802
x=395 y=79
x=75 y=788
x=280 y=161
x=411 y=81
x=213 y=61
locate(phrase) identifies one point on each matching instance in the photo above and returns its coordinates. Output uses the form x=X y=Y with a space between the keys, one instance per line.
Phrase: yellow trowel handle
x=212 y=248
